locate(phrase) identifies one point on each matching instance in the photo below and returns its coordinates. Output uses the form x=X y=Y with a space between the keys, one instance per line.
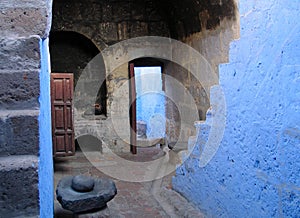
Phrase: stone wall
x=255 y=170
x=178 y=100
x=188 y=17
x=107 y=22
x=23 y=26
x=208 y=25
x=104 y=23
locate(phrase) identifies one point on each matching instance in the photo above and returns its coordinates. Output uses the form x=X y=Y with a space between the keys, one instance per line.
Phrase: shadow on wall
x=71 y=52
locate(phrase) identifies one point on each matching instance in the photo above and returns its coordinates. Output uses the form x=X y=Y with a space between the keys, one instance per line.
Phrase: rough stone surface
x=19 y=189
x=20 y=54
x=255 y=171
x=19 y=90
x=109 y=22
x=108 y=31
x=36 y=14
x=82 y=183
x=104 y=190
x=188 y=17
x=177 y=98
x=19 y=132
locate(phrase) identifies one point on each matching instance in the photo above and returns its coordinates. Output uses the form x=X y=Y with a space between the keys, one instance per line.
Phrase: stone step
x=19 y=186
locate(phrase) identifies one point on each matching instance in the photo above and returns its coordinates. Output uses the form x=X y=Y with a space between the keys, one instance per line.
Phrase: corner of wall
x=46 y=173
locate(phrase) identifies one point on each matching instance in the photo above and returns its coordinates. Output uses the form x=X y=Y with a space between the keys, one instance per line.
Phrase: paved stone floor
x=134 y=199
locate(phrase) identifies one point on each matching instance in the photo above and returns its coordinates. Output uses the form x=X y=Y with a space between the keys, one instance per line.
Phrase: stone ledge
x=20 y=53
x=18 y=162
x=19 y=186
x=4 y=114
x=19 y=131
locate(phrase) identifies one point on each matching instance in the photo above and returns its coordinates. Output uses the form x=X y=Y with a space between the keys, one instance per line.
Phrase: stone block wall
x=23 y=26
x=255 y=171
x=107 y=22
x=186 y=18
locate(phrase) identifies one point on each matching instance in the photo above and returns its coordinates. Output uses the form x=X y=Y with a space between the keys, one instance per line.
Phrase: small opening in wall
x=88 y=143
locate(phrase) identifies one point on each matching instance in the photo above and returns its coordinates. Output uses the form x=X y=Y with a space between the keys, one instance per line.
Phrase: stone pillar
x=23 y=26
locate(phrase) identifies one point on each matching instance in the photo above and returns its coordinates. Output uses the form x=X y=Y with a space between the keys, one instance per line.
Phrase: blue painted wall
x=46 y=173
x=150 y=100
x=256 y=170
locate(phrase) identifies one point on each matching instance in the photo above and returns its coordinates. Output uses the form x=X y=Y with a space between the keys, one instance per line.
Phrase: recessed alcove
x=70 y=53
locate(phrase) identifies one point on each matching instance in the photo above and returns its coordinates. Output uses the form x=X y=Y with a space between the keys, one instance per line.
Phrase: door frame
x=132 y=109
x=140 y=62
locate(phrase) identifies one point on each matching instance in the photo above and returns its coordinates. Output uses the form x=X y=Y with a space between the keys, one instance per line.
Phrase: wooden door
x=62 y=114
x=132 y=99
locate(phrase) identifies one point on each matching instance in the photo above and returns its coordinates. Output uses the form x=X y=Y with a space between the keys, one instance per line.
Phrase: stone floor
x=134 y=199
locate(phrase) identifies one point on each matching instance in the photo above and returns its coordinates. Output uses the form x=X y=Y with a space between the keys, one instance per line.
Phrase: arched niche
x=71 y=52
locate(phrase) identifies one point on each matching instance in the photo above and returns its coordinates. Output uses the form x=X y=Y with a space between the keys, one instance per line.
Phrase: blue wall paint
x=150 y=100
x=46 y=174
x=256 y=171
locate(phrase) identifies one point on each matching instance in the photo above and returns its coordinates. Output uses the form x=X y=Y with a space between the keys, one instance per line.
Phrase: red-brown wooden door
x=62 y=114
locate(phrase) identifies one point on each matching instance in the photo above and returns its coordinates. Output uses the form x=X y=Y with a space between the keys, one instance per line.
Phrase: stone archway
x=71 y=52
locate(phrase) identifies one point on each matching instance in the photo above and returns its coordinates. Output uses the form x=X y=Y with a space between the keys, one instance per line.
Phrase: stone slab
x=19 y=53
x=19 y=132
x=34 y=13
x=19 y=186
x=19 y=90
